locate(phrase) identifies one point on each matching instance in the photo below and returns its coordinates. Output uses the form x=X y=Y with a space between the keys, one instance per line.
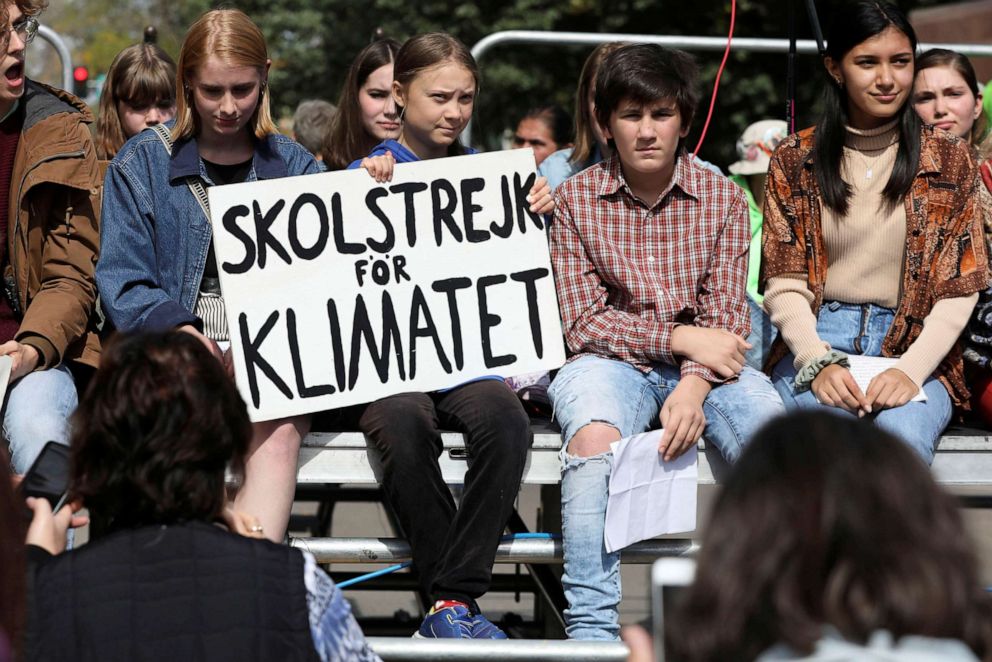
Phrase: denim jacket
x=155 y=237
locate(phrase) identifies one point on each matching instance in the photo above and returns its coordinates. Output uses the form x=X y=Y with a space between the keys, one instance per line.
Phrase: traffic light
x=80 y=76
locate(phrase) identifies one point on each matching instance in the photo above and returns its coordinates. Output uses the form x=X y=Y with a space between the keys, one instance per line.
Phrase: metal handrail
x=53 y=38
x=686 y=42
x=396 y=550
x=401 y=649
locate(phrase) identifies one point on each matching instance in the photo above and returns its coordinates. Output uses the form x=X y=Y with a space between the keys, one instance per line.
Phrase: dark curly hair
x=829 y=521
x=157 y=429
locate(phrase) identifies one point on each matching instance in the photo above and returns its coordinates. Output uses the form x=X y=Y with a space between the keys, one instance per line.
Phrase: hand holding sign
x=340 y=290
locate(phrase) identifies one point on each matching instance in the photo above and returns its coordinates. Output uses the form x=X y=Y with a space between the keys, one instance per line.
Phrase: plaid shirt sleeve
x=589 y=322
x=722 y=300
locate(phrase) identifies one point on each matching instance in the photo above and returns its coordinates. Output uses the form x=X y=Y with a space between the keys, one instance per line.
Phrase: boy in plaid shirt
x=650 y=255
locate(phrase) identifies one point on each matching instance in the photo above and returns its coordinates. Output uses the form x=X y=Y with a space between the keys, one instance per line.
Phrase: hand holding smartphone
x=48 y=477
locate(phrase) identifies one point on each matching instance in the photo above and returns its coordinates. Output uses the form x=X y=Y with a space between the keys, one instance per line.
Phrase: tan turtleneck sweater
x=865 y=256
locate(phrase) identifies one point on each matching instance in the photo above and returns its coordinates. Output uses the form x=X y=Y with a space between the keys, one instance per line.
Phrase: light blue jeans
x=38 y=409
x=591 y=389
x=860 y=329
x=763 y=334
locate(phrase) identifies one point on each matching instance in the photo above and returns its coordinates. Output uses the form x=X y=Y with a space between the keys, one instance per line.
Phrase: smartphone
x=48 y=477
x=669 y=577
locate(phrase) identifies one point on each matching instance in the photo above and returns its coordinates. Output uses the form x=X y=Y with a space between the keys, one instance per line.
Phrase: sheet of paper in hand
x=6 y=364
x=340 y=290
x=648 y=496
x=866 y=368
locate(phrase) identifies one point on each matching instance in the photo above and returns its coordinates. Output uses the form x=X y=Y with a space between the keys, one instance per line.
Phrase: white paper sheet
x=865 y=368
x=648 y=496
x=6 y=363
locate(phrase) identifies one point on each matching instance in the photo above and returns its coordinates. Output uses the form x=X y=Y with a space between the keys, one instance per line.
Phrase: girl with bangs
x=157 y=268
x=139 y=92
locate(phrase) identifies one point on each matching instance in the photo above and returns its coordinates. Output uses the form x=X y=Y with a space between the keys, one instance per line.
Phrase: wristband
x=804 y=378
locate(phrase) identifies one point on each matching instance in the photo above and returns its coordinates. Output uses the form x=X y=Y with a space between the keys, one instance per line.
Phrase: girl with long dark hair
x=872 y=242
x=367 y=114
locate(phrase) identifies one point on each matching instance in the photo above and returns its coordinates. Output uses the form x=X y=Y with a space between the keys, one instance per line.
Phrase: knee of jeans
x=28 y=428
x=604 y=431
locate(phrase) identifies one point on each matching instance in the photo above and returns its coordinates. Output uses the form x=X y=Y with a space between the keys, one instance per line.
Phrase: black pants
x=453 y=549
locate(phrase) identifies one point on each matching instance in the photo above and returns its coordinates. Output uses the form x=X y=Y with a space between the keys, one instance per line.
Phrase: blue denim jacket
x=155 y=237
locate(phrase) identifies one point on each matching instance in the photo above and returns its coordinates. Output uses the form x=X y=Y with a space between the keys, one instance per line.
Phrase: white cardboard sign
x=340 y=290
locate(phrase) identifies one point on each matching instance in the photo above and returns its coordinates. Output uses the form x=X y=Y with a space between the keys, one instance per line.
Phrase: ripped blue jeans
x=592 y=389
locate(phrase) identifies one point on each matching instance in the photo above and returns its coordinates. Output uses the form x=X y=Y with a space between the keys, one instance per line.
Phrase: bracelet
x=804 y=378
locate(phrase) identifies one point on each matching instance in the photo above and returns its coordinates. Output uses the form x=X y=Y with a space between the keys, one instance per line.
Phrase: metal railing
x=686 y=42
x=401 y=649
x=396 y=550
x=53 y=38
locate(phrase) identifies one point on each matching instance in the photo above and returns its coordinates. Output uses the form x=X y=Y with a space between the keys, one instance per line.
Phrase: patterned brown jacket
x=945 y=248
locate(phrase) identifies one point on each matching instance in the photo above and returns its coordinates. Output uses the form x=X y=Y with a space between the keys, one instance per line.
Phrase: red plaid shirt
x=628 y=274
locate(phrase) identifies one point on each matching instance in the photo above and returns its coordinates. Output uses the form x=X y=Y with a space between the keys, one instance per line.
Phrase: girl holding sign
x=157 y=268
x=435 y=84
x=366 y=112
x=873 y=242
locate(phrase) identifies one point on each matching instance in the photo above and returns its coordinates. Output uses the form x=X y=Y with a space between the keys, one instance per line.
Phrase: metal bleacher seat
x=963 y=464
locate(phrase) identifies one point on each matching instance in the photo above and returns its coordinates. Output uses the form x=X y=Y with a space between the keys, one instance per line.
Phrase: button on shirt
x=627 y=273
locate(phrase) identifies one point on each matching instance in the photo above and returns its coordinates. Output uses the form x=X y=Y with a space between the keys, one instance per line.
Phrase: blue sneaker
x=482 y=628
x=454 y=622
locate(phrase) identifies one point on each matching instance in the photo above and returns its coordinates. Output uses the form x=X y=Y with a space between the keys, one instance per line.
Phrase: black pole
x=814 y=21
x=790 y=74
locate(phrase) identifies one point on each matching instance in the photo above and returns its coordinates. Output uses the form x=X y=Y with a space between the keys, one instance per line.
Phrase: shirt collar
x=13 y=109
x=266 y=162
x=684 y=178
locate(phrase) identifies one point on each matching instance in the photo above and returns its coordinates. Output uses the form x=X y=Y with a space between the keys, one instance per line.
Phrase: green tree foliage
x=312 y=43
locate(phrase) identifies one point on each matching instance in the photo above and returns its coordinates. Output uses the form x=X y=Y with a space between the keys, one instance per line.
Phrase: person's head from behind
x=367 y=114
x=435 y=83
x=646 y=97
x=12 y=558
x=545 y=130
x=18 y=19
x=869 y=63
x=222 y=79
x=588 y=133
x=946 y=94
x=155 y=432
x=139 y=92
x=829 y=521
x=311 y=122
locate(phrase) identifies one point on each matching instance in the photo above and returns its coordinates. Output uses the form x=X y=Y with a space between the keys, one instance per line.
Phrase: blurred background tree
x=313 y=43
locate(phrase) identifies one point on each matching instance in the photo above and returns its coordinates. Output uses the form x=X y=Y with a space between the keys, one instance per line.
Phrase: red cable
x=719 y=72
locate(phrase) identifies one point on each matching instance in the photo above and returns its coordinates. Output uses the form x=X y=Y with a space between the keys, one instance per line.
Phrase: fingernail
x=528 y=198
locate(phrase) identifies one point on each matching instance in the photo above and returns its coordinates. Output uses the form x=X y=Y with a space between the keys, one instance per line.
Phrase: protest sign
x=340 y=290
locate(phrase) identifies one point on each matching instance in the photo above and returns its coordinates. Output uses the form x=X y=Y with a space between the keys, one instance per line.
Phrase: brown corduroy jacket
x=53 y=236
